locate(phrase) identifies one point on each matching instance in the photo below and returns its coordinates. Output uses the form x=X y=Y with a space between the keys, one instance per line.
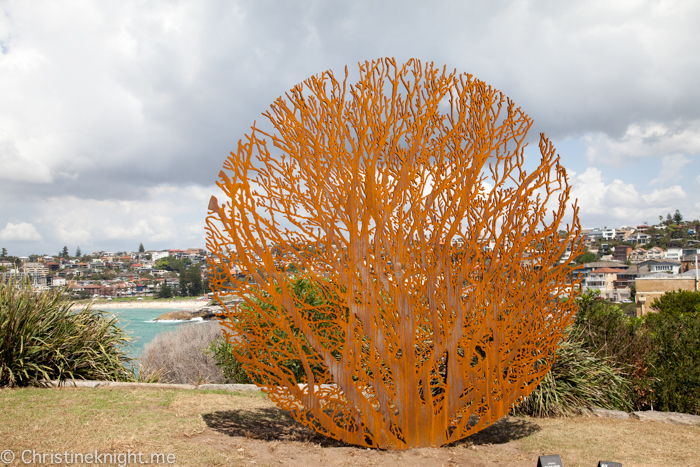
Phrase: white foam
x=198 y=319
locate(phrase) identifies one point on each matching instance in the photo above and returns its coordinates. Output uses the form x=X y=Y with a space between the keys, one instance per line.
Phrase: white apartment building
x=674 y=254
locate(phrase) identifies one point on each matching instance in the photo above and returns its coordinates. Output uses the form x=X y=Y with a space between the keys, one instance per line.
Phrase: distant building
x=662 y=265
x=622 y=253
x=655 y=285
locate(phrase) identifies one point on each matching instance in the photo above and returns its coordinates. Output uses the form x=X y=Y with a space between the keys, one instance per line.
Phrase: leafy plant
x=682 y=301
x=674 y=362
x=42 y=338
x=578 y=381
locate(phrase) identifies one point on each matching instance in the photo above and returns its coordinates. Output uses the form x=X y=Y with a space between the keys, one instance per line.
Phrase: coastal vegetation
x=42 y=338
x=607 y=359
x=180 y=356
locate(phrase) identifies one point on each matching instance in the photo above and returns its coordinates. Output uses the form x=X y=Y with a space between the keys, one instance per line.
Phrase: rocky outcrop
x=207 y=312
x=666 y=417
x=606 y=413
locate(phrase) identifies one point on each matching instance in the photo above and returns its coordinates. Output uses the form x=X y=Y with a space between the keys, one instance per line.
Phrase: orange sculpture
x=436 y=262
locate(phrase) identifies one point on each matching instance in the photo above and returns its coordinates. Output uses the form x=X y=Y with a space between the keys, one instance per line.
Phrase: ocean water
x=138 y=322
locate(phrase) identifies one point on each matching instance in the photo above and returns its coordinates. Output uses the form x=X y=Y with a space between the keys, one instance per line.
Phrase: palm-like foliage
x=578 y=381
x=42 y=338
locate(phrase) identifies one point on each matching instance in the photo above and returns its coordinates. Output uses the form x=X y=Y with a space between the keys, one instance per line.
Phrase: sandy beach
x=179 y=304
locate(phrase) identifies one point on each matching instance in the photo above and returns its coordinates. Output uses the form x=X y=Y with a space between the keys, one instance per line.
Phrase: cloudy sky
x=116 y=116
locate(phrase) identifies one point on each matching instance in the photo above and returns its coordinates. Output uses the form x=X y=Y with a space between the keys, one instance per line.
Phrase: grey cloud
x=127 y=96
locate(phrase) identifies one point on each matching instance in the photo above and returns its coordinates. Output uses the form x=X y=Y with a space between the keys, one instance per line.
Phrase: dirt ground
x=205 y=428
x=265 y=435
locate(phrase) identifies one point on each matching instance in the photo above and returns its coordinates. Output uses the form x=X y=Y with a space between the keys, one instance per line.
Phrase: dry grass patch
x=221 y=428
x=583 y=441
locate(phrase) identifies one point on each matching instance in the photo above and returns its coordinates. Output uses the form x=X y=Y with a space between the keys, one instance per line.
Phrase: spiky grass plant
x=42 y=339
x=578 y=381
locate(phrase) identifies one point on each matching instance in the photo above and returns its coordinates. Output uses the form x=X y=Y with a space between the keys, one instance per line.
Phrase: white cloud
x=22 y=232
x=671 y=169
x=167 y=215
x=108 y=107
x=653 y=139
x=620 y=202
x=665 y=197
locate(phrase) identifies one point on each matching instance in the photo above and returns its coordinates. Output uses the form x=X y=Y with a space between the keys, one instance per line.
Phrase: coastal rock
x=667 y=417
x=606 y=413
x=184 y=315
x=207 y=312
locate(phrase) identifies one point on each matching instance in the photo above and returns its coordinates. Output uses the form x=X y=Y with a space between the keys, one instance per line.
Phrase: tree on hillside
x=170 y=263
x=669 y=219
x=587 y=257
x=4 y=252
x=64 y=253
x=431 y=249
x=682 y=301
x=141 y=248
x=77 y=252
x=191 y=281
x=165 y=291
x=677 y=217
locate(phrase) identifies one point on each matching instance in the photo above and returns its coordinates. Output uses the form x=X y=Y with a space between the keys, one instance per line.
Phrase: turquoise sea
x=138 y=322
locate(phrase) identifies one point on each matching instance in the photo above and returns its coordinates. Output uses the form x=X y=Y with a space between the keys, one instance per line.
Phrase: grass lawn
x=221 y=428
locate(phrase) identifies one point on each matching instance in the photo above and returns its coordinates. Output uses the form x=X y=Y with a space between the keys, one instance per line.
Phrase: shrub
x=578 y=381
x=674 y=362
x=42 y=339
x=222 y=351
x=305 y=291
x=180 y=356
x=683 y=301
x=605 y=330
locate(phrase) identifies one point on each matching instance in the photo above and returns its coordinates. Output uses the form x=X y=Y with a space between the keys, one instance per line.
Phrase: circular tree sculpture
x=429 y=265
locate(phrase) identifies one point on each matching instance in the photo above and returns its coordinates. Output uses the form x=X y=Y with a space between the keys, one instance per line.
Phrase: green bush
x=229 y=357
x=683 y=301
x=674 y=362
x=42 y=339
x=222 y=351
x=578 y=381
x=605 y=331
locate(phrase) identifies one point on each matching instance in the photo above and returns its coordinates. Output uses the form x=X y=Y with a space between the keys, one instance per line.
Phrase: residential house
x=156 y=255
x=608 y=234
x=593 y=235
x=57 y=281
x=35 y=272
x=638 y=255
x=603 y=279
x=690 y=251
x=622 y=233
x=673 y=254
x=655 y=253
x=177 y=253
x=662 y=265
x=624 y=280
x=688 y=262
x=621 y=253
x=584 y=272
x=638 y=238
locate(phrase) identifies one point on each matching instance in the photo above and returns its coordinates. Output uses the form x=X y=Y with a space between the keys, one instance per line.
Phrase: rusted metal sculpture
x=434 y=259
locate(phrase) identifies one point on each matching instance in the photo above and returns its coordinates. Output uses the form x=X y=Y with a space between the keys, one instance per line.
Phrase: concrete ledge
x=667 y=417
x=231 y=387
x=119 y=384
